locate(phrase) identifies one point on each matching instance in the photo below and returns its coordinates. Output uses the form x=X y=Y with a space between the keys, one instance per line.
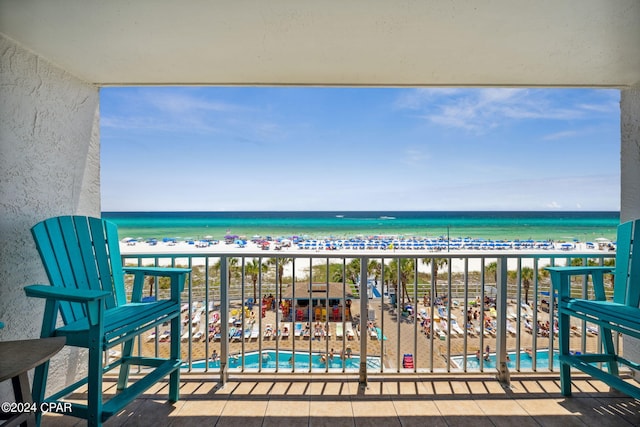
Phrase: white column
x=630 y=154
x=630 y=178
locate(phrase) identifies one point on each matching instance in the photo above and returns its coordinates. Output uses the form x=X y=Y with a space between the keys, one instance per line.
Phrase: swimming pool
x=526 y=362
x=267 y=360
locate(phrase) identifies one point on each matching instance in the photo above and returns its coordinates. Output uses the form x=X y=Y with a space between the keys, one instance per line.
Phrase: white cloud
x=560 y=135
x=415 y=157
x=175 y=103
x=480 y=109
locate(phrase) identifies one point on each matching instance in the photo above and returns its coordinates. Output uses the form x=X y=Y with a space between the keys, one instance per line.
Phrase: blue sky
x=288 y=148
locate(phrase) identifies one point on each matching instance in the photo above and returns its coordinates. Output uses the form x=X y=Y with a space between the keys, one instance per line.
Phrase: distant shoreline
x=498 y=225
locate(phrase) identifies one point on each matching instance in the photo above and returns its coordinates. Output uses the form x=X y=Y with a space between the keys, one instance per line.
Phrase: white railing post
x=364 y=319
x=224 y=320
x=501 y=312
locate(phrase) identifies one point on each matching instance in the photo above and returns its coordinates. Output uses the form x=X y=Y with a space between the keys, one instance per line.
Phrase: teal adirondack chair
x=620 y=314
x=81 y=256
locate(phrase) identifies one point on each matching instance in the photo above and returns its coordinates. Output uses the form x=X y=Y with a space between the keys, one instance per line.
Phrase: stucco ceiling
x=357 y=42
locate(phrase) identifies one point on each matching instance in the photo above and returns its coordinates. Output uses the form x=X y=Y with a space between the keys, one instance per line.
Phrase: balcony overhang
x=590 y=43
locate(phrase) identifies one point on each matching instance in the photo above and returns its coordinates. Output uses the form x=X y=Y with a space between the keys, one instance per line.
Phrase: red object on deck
x=407 y=361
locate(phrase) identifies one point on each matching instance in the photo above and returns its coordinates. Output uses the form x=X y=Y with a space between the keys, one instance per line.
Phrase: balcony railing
x=368 y=312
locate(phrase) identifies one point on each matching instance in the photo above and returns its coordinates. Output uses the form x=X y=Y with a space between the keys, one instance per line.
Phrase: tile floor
x=469 y=401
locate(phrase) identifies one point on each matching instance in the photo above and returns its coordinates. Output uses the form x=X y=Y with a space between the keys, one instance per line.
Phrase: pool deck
x=307 y=400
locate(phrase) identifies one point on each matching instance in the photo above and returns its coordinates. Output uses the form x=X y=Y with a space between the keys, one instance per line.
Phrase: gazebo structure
x=319 y=301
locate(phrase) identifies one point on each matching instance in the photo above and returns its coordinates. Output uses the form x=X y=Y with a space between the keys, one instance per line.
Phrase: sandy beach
x=253 y=250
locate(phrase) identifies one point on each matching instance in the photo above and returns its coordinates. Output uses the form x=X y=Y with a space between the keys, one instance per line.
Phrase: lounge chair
x=444 y=326
x=349 y=331
x=268 y=331
x=438 y=332
x=197 y=336
x=456 y=327
x=196 y=318
x=471 y=331
x=339 y=331
x=297 y=332
x=232 y=332
x=372 y=333
x=318 y=331
x=306 y=332
x=185 y=336
x=255 y=332
x=285 y=330
x=511 y=329
x=215 y=317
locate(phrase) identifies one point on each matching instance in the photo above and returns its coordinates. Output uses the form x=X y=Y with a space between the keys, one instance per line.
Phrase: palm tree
x=253 y=270
x=281 y=263
x=406 y=273
x=374 y=269
x=491 y=269
x=437 y=264
x=526 y=274
x=152 y=281
x=352 y=271
x=610 y=262
x=349 y=273
x=232 y=266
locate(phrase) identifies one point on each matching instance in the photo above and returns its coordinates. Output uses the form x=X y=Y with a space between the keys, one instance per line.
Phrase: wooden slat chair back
x=82 y=260
x=626 y=288
x=618 y=314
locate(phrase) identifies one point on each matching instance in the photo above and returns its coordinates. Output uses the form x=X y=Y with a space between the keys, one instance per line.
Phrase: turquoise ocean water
x=557 y=226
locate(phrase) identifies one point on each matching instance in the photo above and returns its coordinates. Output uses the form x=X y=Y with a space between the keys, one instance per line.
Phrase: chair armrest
x=94 y=300
x=560 y=278
x=577 y=271
x=71 y=295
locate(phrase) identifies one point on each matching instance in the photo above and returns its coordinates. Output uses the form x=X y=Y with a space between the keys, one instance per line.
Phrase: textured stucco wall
x=49 y=165
x=630 y=154
x=630 y=178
